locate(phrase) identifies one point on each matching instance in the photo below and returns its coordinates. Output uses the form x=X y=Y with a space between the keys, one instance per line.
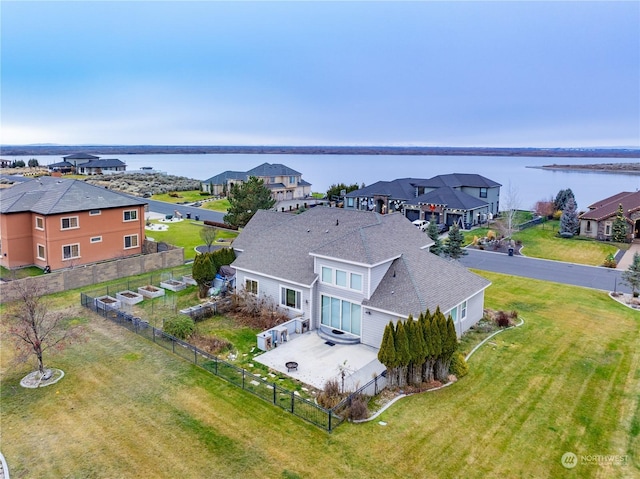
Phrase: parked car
x=422 y=225
x=442 y=228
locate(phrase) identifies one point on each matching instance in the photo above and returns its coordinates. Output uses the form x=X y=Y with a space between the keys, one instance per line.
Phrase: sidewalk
x=627 y=259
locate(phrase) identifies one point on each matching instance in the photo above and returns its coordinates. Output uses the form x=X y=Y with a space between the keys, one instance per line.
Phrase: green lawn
x=20 y=273
x=186 y=234
x=541 y=242
x=221 y=205
x=565 y=381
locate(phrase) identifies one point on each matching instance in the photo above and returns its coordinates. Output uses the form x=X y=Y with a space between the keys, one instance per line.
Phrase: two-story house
x=86 y=164
x=285 y=183
x=462 y=198
x=59 y=223
x=352 y=271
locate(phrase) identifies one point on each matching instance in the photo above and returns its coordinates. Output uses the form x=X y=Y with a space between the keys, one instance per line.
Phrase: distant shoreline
x=104 y=150
x=618 y=168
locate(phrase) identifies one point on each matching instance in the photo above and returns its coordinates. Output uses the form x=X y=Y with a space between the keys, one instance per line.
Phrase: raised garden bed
x=129 y=297
x=188 y=279
x=108 y=302
x=149 y=291
x=173 y=285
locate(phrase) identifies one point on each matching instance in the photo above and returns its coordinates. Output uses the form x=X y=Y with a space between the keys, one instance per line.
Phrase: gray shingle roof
x=107 y=163
x=276 y=169
x=48 y=196
x=223 y=177
x=80 y=156
x=401 y=189
x=458 y=180
x=446 y=195
x=283 y=246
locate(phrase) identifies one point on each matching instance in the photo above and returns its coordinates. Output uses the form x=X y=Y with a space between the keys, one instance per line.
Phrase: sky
x=501 y=73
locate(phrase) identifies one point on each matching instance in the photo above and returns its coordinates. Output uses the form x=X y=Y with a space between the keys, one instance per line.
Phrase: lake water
x=529 y=184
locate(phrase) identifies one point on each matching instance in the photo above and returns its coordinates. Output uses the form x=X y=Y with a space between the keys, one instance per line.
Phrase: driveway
x=595 y=277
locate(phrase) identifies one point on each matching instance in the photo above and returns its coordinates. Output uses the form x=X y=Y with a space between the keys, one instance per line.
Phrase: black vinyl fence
x=327 y=419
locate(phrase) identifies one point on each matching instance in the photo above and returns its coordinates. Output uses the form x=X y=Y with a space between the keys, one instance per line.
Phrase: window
x=588 y=229
x=292 y=180
x=339 y=314
x=131 y=215
x=69 y=223
x=454 y=314
x=463 y=310
x=251 y=286
x=327 y=275
x=131 y=241
x=94 y=212
x=356 y=282
x=41 y=252
x=483 y=192
x=607 y=228
x=350 y=202
x=96 y=239
x=341 y=278
x=290 y=298
x=71 y=251
x=39 y=223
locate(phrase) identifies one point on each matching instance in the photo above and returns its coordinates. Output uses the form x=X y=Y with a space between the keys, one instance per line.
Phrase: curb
x=5 y=468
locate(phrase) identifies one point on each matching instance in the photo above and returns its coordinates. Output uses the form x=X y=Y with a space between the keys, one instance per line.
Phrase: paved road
x=568 y=273
x=170 y=208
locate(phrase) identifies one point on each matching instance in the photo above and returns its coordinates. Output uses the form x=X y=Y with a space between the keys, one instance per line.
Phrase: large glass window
x=356 y=281
x=339 y=314
x=341 y=278
x=290 y=298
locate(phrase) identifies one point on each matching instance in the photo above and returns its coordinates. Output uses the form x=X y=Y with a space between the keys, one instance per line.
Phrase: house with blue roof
x=285 y=183
x=458 y=198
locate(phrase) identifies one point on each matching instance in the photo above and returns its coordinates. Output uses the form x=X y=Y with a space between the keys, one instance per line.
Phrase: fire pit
x=291 y=366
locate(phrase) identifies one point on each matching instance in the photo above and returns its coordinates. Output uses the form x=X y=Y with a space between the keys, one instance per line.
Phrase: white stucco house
x=350 y=272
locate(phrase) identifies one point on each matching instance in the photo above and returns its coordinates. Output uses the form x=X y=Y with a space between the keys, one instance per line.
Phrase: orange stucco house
x=62 y=223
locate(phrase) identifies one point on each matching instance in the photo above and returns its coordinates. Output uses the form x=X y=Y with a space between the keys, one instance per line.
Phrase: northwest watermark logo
x=569 y=460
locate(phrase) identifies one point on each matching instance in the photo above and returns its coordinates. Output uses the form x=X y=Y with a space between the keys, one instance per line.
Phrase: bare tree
x=35 y=328
x=208 y=234
x=510 y=205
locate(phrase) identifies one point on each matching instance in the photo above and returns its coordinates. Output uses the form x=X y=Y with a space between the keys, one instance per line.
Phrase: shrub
x=557 y=214
x=502 y=319
x=220 y=225
x=174 y=195
x=565 y=234
x=491 y=235
x=459 y=366
x=181 y=327
x=610 y=261
x=330 y=396
x=358 y=408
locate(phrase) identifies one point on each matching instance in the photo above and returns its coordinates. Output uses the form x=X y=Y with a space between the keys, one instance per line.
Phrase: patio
x=319 y=362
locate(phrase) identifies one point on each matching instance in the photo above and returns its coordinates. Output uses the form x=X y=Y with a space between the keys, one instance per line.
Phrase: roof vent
x=337 y=222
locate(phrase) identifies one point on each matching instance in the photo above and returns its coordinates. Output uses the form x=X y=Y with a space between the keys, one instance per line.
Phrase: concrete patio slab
x=319 y=362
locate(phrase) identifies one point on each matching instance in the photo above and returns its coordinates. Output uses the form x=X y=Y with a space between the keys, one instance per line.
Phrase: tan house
x=597 y=222
x=284 y=183
x=59 y=223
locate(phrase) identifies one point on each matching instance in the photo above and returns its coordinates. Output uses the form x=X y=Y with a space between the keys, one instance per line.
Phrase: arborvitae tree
x=451 y=345
x=246 y=199
x=203 y=272
x=387 y=353
x=403 y=355
x=632 y=275
x=453 y=246
x=569 y=221
x=418 y=350
x=432 y=231
x=619 y=227
x=442 y=365
x=560 y=203
x=436 y=341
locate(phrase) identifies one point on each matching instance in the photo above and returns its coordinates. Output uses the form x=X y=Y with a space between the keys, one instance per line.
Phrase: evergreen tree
x=569 y=221
x=436 y=341
x=632 y=275
x=427 y=366
x=442 y=365
x=403 y=356
x=387 y=352
x=246 y=199
x=432 y=231
x=33 y=162
x=336 y=189
x=418 y=351
x=563 y=196
x=203 y=272
x=453 y=246
x=619 y=227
